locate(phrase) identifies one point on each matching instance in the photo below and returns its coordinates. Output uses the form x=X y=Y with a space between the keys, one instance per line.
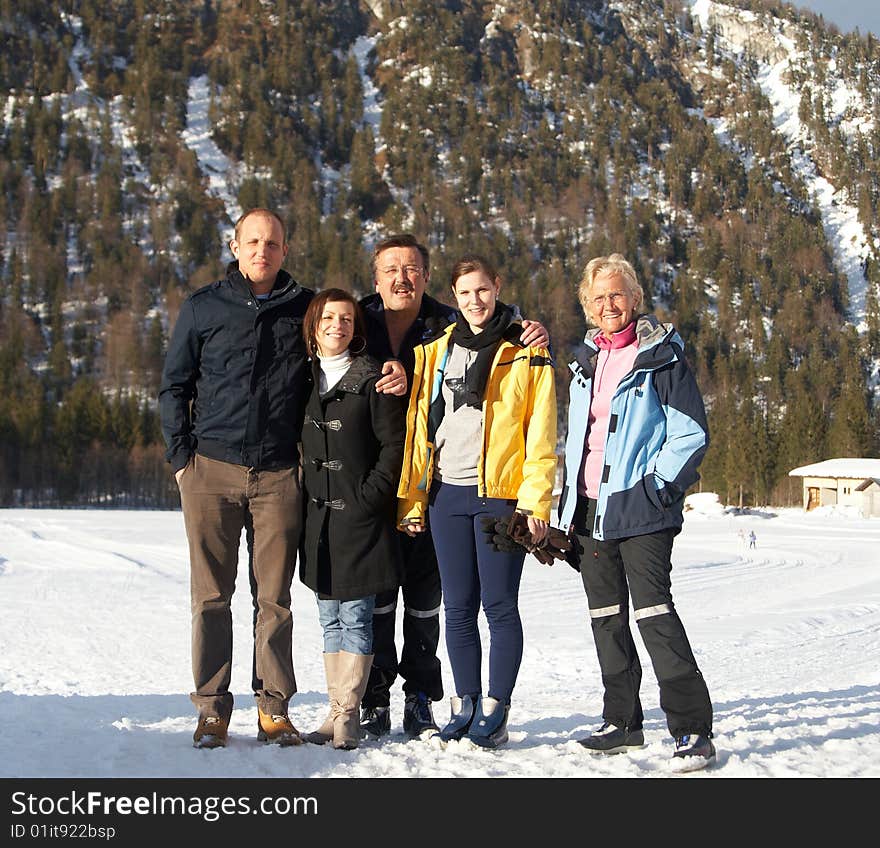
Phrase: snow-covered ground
x=94 y=624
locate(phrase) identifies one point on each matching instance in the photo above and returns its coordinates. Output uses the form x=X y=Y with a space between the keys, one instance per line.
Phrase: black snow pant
x=418 y=666
x=639 y=566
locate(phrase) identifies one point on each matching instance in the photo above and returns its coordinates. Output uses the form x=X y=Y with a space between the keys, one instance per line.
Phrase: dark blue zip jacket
x=236 y=376
x=433 y=318
x=657 y=436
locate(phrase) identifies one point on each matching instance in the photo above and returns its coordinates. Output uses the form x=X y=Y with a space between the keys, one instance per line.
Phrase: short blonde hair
x=603 y=266
x=264 y=213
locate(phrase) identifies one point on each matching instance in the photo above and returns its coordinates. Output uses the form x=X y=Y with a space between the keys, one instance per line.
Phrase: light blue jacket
x=657 y=436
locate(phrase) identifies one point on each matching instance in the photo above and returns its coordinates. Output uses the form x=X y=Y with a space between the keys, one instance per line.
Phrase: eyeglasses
x=412 y=271
x=614 y=298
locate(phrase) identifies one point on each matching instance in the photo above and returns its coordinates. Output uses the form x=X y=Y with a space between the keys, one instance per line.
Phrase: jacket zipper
x=412 y=450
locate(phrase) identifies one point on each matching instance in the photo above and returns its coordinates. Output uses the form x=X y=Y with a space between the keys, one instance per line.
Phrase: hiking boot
x=489 y=725
x=375 y=721
x=461 y=715
x=417 y=716
x=276 y=729
x=611 y=739
x=211 y=732
x=693 y=751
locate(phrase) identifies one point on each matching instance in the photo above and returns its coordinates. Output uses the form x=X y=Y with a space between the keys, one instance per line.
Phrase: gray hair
x=399 y=240
x=603 y=266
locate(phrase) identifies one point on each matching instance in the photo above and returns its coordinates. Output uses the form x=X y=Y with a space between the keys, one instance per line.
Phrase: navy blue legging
x=471 y=572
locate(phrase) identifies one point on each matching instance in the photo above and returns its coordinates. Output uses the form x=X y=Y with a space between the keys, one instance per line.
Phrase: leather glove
x=543 y=556
x=557 y=542
x=497 y=534
x=555 y=545
x=513 y=533
x=518 y=530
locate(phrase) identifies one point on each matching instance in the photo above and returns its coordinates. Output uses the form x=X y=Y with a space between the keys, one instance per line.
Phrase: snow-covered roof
x=854 y=468
x=866 y=484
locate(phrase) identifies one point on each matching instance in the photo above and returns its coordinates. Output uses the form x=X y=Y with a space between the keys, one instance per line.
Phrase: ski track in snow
x=95 y=628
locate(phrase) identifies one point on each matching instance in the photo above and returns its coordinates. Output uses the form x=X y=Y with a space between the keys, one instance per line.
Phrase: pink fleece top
x=616 y=358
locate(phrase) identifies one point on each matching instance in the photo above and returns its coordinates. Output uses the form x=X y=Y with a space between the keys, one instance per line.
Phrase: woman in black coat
x=352 y=450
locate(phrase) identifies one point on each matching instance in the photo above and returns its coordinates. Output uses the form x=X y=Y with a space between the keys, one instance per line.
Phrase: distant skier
x=752 y=539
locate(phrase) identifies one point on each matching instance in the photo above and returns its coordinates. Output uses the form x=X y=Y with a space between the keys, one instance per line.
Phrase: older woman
x=636 y=435
x=481 y=433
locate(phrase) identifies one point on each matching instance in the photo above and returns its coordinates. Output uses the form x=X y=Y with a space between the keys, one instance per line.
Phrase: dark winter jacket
x=236 y=375
x=433 y=318
x=657 y=436
x=352 y=449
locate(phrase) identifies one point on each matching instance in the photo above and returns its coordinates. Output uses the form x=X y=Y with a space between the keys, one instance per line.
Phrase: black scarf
x=485 y=343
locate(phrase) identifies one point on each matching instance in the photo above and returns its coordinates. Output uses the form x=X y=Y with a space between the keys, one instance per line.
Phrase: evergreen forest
x=538 y=132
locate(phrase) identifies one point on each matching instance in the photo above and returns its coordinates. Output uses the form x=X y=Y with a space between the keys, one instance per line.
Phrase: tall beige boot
x=332 y=665
x=350 y=687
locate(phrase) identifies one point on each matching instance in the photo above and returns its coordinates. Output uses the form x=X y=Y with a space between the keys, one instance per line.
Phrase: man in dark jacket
x=232 y=401
x=401 y=316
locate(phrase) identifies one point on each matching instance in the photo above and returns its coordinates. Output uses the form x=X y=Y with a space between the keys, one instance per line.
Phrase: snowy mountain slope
x=776 y=51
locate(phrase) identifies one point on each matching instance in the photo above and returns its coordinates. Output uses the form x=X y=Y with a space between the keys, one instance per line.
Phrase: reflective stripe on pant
x=639 y=566
x=419 y=666
x=217 y=499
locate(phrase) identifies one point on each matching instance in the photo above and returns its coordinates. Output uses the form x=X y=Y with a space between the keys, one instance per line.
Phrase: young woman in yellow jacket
x=480 y=441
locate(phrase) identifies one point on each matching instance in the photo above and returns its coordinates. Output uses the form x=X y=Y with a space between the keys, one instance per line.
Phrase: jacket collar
x=432 y=319
x=649 y=331
x=284 y=283
x=361 y=370
x=429 y=308
x=623 y=338
x=652 y=335
x=511 y=334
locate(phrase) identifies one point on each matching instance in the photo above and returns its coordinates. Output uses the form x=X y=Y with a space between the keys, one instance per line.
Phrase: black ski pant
x=639 y=566
x=418 y=666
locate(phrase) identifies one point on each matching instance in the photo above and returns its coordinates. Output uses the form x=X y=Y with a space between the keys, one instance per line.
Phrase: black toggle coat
x=352 y=447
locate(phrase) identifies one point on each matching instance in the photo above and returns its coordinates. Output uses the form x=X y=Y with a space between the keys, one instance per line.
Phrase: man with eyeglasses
x=400 y=316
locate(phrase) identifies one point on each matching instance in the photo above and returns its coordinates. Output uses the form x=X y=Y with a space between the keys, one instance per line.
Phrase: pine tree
x=80 y=420
x=368 y=194
x=850 y=429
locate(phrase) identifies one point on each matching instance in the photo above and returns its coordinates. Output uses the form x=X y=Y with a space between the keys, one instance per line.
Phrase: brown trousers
x=217 y=497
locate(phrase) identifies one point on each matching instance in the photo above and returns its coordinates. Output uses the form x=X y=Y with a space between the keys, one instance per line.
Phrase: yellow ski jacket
x=517 y=459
